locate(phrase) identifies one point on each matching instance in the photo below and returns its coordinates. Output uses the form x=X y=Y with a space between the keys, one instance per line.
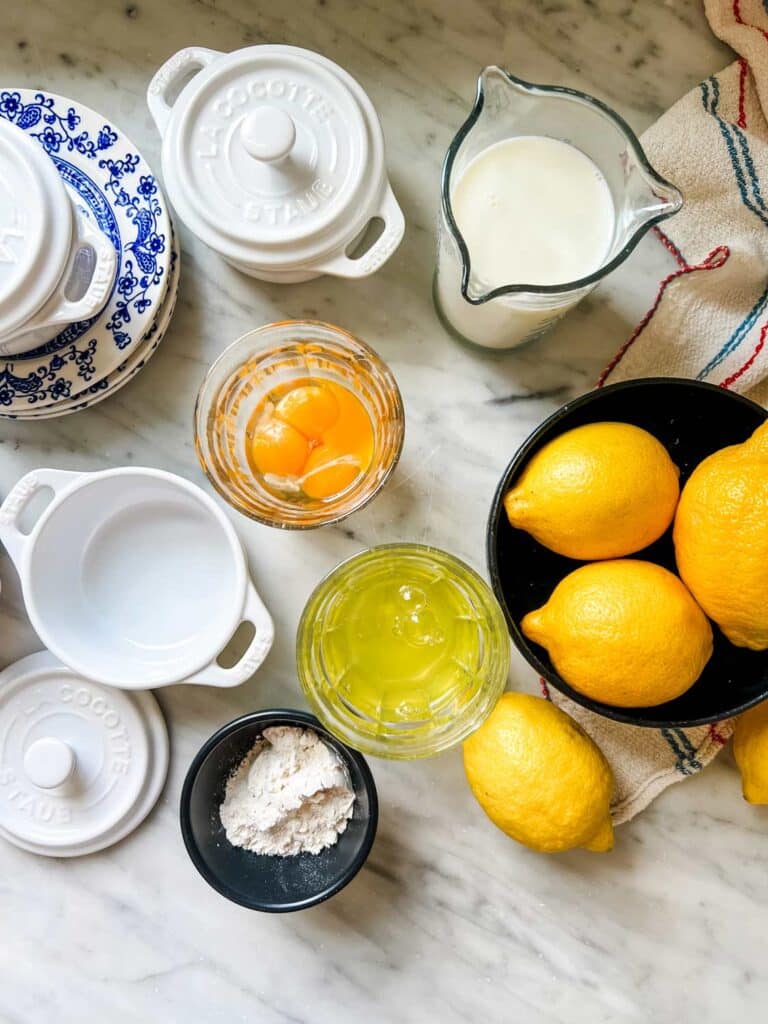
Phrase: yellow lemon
x=624 y=632
x=539 y=777
x=599 y=491
x=750 y=750
x=721 y=539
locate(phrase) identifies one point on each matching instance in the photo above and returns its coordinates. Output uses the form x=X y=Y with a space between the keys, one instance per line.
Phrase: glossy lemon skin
x=624 y=632
x=598 y=491
x=721 y=539
x=750 y=751
x=539 y=777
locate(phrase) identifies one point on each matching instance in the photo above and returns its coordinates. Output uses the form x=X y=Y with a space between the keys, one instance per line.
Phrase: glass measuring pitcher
x=505 y=108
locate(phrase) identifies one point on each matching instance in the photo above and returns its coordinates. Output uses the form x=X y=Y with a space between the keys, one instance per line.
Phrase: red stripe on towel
x=740 y=20
x=745 y=366
x=715 y=736
x=743 y=69
x=713 y=261
x=670 y=246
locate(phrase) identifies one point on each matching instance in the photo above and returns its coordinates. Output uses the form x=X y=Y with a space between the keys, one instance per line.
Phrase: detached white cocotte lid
x=81 y=764
x=274 y=156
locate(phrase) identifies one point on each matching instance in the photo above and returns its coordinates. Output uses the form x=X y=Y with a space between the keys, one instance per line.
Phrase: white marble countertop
x=450 y=921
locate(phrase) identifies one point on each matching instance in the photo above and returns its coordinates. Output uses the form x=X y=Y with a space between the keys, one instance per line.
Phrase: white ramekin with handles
x=134 y=577
x=274 y=157
x=56 y=266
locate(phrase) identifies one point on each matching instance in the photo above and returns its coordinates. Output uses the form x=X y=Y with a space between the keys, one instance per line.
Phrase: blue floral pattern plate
x=117 y=189
x=138 y=359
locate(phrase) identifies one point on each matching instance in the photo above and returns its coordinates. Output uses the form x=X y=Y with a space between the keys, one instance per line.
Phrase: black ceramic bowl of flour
x=692 y=420
x=271 y=883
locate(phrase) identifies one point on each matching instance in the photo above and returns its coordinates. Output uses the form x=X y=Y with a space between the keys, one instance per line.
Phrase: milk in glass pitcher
x=545 y=191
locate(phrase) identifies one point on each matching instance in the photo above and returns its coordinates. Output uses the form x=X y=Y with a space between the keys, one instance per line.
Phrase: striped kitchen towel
x=709 y=319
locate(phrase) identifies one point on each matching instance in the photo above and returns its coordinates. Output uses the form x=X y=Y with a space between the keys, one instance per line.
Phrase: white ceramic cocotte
x=134 y=578
x=56 y=266
x=274 y=156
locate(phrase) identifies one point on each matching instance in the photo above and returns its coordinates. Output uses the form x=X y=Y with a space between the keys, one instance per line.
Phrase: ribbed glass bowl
x=417 y=723
x=273 y=356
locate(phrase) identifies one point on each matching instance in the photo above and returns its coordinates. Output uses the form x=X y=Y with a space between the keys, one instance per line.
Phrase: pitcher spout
x=473 y=289
x=650 y=198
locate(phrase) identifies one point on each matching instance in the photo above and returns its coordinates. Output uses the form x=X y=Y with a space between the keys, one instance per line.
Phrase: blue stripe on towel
x=710 y=97
x=680 y=745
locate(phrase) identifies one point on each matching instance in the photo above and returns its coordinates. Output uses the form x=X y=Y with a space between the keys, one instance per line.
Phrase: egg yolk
x=352 y=433
x=317 y=433
x=279 y=449
x=311 y=409
x=326 y=472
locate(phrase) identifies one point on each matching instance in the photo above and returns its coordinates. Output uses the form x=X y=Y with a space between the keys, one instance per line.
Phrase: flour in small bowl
x=289 y=795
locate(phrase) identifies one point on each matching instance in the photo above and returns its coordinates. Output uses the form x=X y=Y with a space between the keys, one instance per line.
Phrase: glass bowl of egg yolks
x=299 y=424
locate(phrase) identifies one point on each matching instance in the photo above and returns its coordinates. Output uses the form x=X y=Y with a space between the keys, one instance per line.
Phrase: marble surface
x=450 y=921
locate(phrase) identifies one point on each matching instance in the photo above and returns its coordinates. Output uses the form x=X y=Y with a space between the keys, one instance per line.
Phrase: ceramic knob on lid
x=268 y=134
x=81 y=764
x=274 y=156
x=48 y=762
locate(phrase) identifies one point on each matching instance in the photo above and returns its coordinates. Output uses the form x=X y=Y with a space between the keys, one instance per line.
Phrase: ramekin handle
x=256 y=613
x=175 y=68
x=102 y=278
x=17 y=500
x=394 y=228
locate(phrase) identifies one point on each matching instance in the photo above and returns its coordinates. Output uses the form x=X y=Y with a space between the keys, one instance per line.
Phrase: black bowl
x=273 y=884
x=692 y=420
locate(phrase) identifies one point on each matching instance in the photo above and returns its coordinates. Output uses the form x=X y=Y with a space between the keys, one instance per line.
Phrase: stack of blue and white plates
x=111 y=190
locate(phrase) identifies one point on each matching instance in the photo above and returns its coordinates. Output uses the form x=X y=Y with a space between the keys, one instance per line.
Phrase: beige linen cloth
x=709 y=320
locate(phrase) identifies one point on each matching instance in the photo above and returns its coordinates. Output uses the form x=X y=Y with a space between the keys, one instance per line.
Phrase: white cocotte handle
x=15 y=541
x=92 y=257
x=369 y=262
x=176 y=68
x=68 y=311
x=257 y=650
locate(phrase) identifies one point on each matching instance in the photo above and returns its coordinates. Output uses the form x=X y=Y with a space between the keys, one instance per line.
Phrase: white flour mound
x=289 y=795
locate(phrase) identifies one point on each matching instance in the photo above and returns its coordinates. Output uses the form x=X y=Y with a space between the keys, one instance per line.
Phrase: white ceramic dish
x=274 y=156
x=134 y=577
x=56 y=267
x=116 y=189
x=137 y=360
x=81 y=764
